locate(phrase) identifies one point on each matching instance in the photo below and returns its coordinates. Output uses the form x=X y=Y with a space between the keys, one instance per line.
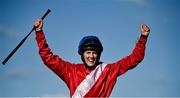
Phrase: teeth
x=91 y=61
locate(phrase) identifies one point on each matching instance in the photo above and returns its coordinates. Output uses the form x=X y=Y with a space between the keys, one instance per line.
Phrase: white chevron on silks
x=88 y=82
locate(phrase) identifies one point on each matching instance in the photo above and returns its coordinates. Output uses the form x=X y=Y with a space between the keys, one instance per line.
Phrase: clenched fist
x=144 y=29
x=38 y=24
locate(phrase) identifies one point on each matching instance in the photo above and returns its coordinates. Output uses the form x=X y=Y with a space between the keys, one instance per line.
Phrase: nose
x=91 y=55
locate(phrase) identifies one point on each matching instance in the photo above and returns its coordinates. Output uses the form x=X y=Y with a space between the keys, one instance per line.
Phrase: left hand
x=144 y=29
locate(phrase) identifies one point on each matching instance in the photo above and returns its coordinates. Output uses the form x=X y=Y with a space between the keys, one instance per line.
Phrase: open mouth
x=91 y=60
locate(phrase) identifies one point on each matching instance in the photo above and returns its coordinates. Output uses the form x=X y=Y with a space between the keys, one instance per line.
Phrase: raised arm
x=54 y=62
x=137 y=54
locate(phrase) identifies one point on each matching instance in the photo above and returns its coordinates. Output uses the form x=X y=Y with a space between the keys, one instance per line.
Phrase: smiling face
x=91 y=57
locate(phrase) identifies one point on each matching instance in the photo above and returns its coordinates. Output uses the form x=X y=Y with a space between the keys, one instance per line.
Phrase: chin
x=90 y=65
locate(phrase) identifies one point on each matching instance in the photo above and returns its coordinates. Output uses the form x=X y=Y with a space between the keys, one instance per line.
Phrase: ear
x=82 y=58
x=99 y=56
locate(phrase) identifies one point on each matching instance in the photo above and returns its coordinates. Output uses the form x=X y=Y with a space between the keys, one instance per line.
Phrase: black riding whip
x=23 y=40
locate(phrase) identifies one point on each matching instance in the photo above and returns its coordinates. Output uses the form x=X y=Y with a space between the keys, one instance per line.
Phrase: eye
x=88 y=52
x=95 y=52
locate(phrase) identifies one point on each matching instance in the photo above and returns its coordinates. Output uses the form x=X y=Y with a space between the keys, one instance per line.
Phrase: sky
x=115 y=22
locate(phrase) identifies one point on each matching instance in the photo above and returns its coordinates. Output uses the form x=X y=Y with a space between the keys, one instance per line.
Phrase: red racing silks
x=83 y=82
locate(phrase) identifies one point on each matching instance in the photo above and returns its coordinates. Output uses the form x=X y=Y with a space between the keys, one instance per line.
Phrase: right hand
x=38 y=24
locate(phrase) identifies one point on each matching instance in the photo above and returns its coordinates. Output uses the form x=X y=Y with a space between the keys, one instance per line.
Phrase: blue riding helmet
x=90 y=43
